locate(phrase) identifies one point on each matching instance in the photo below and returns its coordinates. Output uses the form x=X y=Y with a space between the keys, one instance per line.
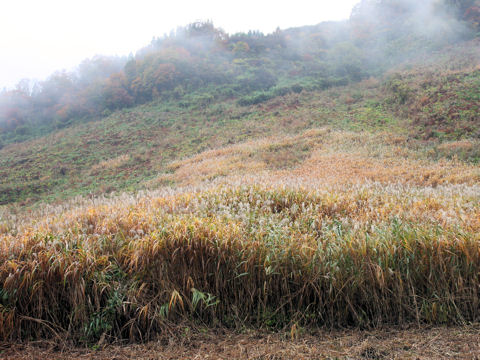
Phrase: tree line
x=251 y=66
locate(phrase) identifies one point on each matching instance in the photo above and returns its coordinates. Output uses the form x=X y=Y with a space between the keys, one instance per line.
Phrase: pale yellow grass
x=337 y=157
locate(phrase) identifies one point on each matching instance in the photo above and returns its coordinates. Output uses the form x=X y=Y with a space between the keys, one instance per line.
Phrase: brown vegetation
x=358 y=231
x=389 y=343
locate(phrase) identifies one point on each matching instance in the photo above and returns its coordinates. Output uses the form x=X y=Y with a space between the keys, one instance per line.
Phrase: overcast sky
x=38 y=37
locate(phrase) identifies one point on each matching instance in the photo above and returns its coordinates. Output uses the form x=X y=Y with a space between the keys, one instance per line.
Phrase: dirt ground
x=424 y=343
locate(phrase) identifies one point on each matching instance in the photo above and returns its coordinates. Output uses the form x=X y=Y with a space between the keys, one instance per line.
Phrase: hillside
x=223 y=183
x=434 y=106
x=200 y=64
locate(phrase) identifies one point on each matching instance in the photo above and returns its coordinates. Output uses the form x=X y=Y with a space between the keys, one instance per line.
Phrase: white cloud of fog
x=39 y=37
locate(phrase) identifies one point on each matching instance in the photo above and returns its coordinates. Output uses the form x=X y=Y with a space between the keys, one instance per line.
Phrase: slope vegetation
x=435 y=111
x=346 y=199
x=360 y=230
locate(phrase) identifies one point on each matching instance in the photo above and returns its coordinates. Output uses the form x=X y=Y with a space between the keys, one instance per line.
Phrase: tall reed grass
x=242 y=255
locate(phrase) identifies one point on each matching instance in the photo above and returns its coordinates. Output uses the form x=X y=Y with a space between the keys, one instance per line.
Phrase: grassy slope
x=430 y=103
x=321 y=246
x=85 y=158
x=308 y=209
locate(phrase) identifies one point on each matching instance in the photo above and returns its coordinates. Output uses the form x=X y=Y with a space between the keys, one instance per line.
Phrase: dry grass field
x=333 y=224
x=293 y=234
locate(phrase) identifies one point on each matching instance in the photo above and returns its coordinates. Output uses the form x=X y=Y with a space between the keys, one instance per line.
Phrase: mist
x=393 y=31
x=202 y=62
x=42 y=37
